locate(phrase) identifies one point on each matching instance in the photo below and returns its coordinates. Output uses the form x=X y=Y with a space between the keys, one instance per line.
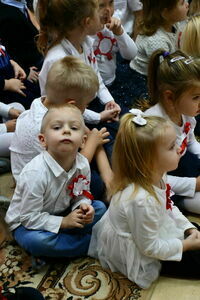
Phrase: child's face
x=106 y=10
x=64 y=132
x=189 y=102
x=168 y=153
x=94 y=24
x=179 y=13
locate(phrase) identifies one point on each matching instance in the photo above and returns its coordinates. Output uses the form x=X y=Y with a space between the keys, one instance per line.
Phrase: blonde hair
x=135 y=152
x=58 y=17
x=61 y=107
x=177 y=75
x=190 y=38
x=152 y=15
x=70 y=73
x=194 y=7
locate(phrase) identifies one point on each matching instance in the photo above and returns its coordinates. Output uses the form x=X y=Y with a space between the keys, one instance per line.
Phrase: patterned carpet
x=77 y=279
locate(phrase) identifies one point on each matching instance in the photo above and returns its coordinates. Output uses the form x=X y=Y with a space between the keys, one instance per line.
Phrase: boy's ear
x=42 y=140
x=84 y=138
x=168 y=97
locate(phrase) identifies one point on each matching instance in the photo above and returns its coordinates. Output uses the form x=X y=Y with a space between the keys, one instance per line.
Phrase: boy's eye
x=74 y=127
x=56 y=127
x=197 y=97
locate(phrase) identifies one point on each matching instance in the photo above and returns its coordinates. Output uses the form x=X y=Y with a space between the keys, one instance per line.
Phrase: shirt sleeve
x=183 y=186
x=83 y=199
x=91 y=116
x=145 y=231
x=126 y=46
x=31 y=189
x=4 y=109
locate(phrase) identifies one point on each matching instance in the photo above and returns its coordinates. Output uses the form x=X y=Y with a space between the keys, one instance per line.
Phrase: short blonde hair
x=135 y=152
x=53 y=108
x=70 y=73
x=190 y=38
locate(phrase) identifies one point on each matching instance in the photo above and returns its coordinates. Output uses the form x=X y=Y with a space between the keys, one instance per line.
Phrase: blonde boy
x=52 y=212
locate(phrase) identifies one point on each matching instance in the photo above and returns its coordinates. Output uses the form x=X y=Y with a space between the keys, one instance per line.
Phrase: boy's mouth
x=66 y=141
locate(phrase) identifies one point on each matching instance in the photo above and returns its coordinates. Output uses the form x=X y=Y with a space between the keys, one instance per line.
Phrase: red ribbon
x=86 y=193
x=184 y=144
x=168 y=199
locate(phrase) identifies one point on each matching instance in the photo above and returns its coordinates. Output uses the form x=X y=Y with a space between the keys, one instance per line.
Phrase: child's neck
x=157 y=180
x=174 y=116
x=76 y=38
x=65 y=160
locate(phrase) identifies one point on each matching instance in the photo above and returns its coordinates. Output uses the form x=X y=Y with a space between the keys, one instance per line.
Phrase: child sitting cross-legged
x=52 y=212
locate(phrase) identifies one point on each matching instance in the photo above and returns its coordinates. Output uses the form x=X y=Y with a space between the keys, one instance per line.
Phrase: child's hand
x=15 y=85
x=88 y=212
x=14 y=113
x=115 y=26
x=10 y=125
x=73 y=220
x=192 y=242
x=19 y=72
x=112 y=105
x=33 y=75
x=98 y=137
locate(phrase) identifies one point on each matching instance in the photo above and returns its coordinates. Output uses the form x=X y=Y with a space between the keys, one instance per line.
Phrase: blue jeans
x=66 y=243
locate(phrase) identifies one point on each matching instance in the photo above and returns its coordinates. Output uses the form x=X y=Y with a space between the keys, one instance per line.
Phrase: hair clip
x=188 y=61
x=138 y=119
x=176 y=58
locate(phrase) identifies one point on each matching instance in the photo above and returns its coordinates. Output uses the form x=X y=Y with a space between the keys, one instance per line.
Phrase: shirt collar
x=19 y=4
x=58 y=170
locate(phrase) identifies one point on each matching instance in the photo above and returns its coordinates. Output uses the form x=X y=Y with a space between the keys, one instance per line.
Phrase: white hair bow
x=138 y=119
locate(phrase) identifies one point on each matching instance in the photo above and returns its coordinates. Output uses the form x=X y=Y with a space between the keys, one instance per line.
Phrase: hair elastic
x=138 y=119
x=165 y=54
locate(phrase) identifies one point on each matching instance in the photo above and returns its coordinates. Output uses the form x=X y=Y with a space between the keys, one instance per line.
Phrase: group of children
x=65 y=141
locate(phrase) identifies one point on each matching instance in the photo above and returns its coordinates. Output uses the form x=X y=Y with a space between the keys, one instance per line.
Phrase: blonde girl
x=190 y=37
x=142 y=228
x=64 y=26
x=159 y=29
x=174 y=89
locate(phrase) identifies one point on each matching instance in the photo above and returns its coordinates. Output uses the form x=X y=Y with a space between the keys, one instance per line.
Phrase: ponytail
x=153 y=67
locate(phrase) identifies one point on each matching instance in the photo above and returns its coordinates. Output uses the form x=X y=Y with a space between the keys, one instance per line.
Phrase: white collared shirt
x=42 y=193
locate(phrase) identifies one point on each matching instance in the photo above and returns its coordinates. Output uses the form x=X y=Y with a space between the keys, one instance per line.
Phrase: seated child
x=52 y=212
x=19 y=293
x=143 y=232
x=107 y=42
x=69 y=80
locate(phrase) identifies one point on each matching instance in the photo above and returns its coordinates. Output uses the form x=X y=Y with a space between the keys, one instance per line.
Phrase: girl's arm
x=145 y=219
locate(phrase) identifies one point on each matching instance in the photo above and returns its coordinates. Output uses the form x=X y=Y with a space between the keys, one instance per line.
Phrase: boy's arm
x=28 y=199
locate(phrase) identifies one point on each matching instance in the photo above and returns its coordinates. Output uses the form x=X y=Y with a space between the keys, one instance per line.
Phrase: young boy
x=69 y=80
x=51 y=213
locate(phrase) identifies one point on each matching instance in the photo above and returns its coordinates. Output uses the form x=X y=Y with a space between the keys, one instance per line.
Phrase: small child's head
x=191 y=36
x=174 y=81
x=59 y=17
x=63 y=130
x=106 y=10
x=143 y=152
x=158 y=13
x=71 y=80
